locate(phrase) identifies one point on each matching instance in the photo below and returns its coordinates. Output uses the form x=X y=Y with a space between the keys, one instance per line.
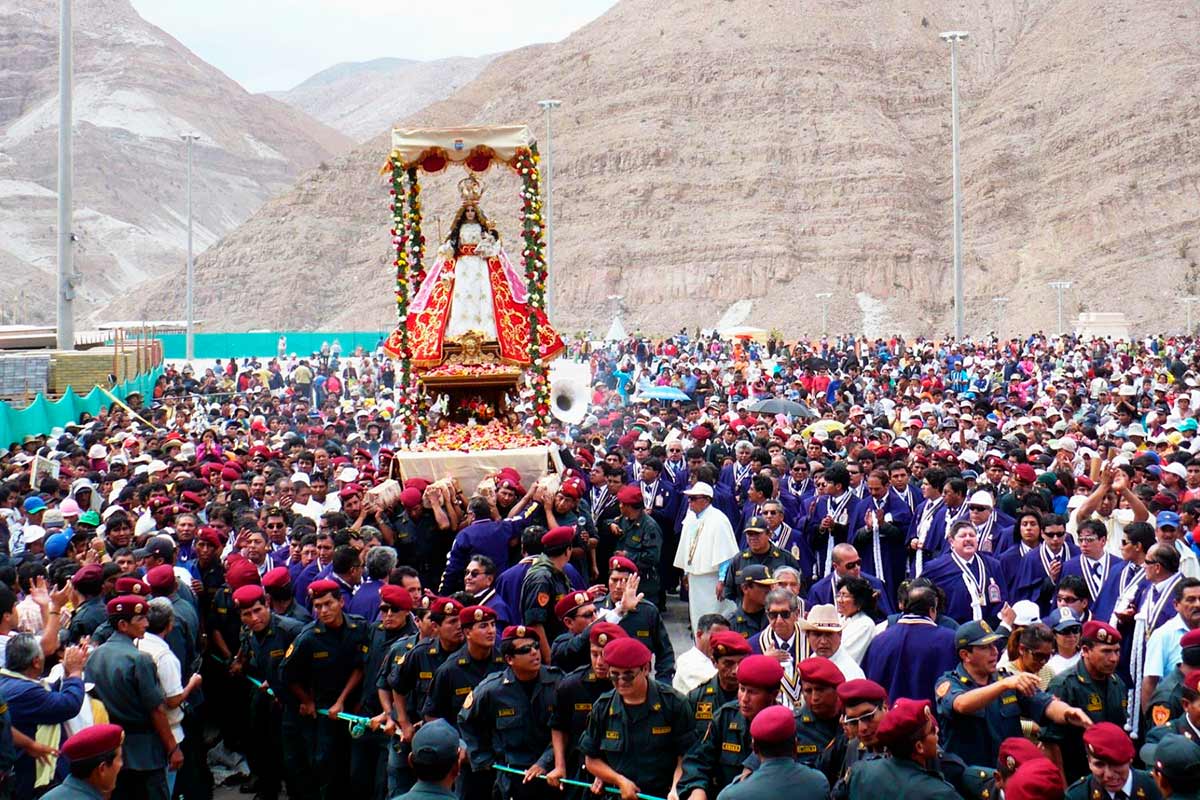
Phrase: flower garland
x=410 y=246
x=533 y=258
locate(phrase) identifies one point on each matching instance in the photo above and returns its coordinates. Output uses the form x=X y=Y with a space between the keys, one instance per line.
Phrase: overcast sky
x=275 y=44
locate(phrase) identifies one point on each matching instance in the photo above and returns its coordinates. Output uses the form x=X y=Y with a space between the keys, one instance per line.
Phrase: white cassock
x=705 y=543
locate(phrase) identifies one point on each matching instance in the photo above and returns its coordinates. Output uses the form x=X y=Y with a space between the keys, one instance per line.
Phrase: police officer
x=1093 y=687
x=726 y=649
x=1110 y=759
x=278 y=584
x=575 y=696
x=368 y=752
x=576 y=611
x=95 y=756
x=863 y=704
x=721 y=753
x=638 y=732
x=1166 y=703
x=506 y=719
x=639 y=617
x=323 y=668
x=773 y=731
x=978 y=709
x=126 y=681
x=751 y=616
x=399 y=775
x=758 y=550
x=89 y=613
x=987 y=783
x=639 y=538
x=544 y=585
x=817 y=722
x=436 y=755
x=274 y=714
x=909 y=732
x=1177 y=768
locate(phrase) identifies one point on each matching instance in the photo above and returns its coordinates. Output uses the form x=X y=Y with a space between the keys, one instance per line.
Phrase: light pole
x=190 y=353
x=1188 y=301
x=548 y=106
x=65 y=309
x=1001 y=303
x=954 y=37
x=1060 y=286
x=824 y=298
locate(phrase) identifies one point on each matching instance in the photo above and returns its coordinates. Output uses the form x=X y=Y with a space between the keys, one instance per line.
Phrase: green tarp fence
x=42 y=415
x=265 y=345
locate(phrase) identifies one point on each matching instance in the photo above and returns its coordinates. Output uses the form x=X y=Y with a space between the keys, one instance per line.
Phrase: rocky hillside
x=361 y=99
x=136 y=90
x=707 y=154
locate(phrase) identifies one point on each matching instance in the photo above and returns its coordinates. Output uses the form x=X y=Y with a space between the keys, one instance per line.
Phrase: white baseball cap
x=699 y=489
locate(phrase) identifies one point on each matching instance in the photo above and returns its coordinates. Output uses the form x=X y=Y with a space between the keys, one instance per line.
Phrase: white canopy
x=415 y=144
x=616 y=331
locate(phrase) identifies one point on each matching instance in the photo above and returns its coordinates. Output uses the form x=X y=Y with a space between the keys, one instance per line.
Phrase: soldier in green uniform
x=638 y=537
x=505 y=720
x=436 y=755
x=95 y=757
x=1110 y=759
x=727 y=649
x=864 y=703
x=987 y=783
x=978 y=709
x=544 y=585
x=1177 y=768
x=323 y=669
x=1166 y=703
x=126 y=681
x=576 y=611
x=909 y=732
x=1187 y=724
x=89 y=611
x=574 y=698
x=758 y=550
x=638 y=732
x=773 y=732
x=626 y=606
x=818 y=722
x=274 y=720
x=1093 y=687
x=411 y=666
x=751 y=616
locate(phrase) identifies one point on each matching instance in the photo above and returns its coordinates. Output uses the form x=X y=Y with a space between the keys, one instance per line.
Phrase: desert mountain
x=361 y=99
x=136 y=90
x=757 y=152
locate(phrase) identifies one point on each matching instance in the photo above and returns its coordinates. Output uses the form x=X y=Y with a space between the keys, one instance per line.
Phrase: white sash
x=1094 y=583
x=649 y=493
x=876 y=549
x=1144 y=624
x=906 y=497
x=975 y=586
x=739 y=474
x=1048 y=558
x=923 y=526
x=835 y=508
x=673 y=469
x=984 y=533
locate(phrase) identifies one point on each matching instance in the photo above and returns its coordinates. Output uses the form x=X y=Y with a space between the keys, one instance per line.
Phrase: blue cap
x=1062 y=618
x=436 y=742
x=56 y=545
x=1167 y=519
x=33 y=504
x=975 y=634
x=1188 y=424
x=970 y=475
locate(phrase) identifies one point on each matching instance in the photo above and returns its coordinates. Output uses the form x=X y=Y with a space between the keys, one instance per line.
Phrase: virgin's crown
x=470 y=189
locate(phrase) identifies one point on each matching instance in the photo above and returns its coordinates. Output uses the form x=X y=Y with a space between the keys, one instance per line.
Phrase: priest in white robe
x=706 y=544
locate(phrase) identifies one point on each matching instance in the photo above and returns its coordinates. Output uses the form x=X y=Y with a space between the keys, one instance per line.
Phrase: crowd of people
x=931 y=568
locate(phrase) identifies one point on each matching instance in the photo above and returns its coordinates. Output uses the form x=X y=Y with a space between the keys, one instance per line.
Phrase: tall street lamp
x=824 y=298
x=1001 y=302
x=1188 y=301
x=191 y=264
x=548 y=106
x=65 y=296
x=954 y=37
x=1060 y=287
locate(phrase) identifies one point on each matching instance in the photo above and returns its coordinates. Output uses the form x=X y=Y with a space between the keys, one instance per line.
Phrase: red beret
x=996 y=461
x=210 y=536
x=410 y=498
x=763 y=672
x=161 y=580
x=445 y=605
x=91 y=573
x=1108 y=742
x=699 y=433
x=627 y=653
x=569 y=602
x=240 y=573
x=601 y=633
x=323 y=587
x=773 y=724
x=1085 y=482
x=248 y=595
x=1037 y=780
x=585 y=457
x=904 y=719
x=126 y=606
x=277 y=578
x=1192 y=681
x=472 y=614
x=229 y=473
x=517 y=632
x=396 y=596
x=861 y=690
x=193 y=498
x=361 y=452
x=158 y=502
x=820 y=670
x=1017 y=750
x=92 y=742
x=129 y=584
x=259 y=450
x=572 y=487
x=1024 y=472
x=1101 y=632
x=1190 y=639
x=627 y=440
x=630 y=495
x=507 y=483
x=622 y=564
x=728 y=643
x=558 y=537
x=349 y=490
x=509 y=474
